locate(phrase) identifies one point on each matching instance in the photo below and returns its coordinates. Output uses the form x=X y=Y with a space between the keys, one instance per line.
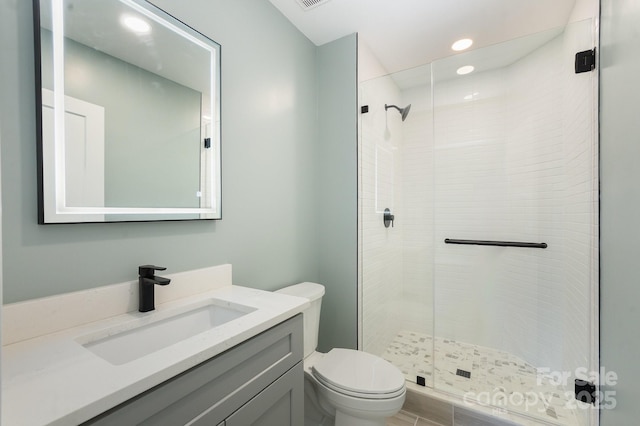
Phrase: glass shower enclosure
x=484 y=286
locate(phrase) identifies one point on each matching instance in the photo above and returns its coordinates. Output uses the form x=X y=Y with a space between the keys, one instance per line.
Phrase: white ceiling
x=403 y=34
x=165 y=51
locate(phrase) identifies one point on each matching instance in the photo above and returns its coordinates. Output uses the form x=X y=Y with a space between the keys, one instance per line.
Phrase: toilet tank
x=311 y=315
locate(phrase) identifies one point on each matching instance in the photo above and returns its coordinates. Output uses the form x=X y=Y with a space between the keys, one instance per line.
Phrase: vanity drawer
x=217 y=387
x=281 y=404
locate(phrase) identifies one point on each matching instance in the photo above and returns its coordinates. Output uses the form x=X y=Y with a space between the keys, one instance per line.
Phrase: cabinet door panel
x=281 y=404
x=217 y=387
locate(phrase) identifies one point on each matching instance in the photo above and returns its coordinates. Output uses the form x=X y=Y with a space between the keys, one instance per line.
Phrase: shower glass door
x=515 y=225
x=396 y=261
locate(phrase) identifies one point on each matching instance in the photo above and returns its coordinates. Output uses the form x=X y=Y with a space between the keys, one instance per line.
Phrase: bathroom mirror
x=128 y=112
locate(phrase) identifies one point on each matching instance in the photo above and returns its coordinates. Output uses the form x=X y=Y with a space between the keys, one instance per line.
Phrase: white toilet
x=344 y=387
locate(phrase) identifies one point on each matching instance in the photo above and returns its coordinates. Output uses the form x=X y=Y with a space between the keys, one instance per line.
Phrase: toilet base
x=326 y=407
x=350 y=411
x=314 y=414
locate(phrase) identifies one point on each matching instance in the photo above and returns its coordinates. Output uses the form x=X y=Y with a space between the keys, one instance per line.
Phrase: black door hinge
x=585 y=391
x=586 y=61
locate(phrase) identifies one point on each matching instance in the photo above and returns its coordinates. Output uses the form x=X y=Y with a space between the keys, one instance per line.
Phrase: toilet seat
x=359 y=374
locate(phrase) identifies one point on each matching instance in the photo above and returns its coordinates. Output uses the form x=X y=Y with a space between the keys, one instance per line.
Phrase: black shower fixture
x=403 y=111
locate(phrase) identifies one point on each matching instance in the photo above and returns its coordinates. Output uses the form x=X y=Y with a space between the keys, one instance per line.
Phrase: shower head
x=403 y=111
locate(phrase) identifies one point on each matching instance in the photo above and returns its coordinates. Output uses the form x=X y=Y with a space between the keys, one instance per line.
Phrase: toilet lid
x=359 y=373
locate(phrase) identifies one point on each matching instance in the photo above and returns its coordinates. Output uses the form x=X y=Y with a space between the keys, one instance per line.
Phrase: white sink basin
x=150 y=334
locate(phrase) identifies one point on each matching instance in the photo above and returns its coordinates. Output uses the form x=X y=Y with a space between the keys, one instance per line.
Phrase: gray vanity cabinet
x=281 y=404
x=258 y=382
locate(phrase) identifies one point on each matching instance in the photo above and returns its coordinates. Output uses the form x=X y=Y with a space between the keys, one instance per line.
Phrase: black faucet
x=146 y=283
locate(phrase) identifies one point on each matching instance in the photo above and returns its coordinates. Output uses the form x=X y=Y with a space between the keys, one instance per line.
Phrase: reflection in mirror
x=129 y=106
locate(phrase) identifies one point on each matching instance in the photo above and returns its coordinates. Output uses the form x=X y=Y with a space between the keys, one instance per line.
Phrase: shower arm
x=404 y=112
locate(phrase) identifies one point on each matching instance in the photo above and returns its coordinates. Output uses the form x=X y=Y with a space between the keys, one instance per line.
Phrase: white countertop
x=53 y=380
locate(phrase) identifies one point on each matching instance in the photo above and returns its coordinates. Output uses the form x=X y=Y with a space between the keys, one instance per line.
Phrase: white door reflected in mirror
x=82 y=184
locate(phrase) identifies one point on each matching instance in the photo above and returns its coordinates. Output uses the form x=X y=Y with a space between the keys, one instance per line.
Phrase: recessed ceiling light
x=135 y=24
x=462 y=44
x=465 y=70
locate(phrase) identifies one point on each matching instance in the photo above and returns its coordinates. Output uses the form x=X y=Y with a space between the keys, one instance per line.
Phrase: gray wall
x=269 y=114
x=337 y=193
x=620 y=204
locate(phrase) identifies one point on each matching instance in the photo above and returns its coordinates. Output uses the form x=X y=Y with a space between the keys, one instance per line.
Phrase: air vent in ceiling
x=310 y=4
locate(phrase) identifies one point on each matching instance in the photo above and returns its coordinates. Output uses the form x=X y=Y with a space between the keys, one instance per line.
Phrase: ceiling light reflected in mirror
x=462 y=44
x=135 y=24
x=467 y=69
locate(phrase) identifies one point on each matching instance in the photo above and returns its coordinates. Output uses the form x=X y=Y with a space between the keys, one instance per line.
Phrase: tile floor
x=407 y=419
x=503 y=379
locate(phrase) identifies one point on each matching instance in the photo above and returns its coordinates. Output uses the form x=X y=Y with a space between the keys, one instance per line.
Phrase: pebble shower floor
x=495 y=376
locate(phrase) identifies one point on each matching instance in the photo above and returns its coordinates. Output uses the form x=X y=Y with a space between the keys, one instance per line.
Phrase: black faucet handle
x=148 y=271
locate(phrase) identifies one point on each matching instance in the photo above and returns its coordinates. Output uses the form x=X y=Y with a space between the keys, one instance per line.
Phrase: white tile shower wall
x=564 y=145
x=517 y=164
x=368 y=68
x=381 y=247
x=470 y=200
x=536 y=169
x=417 y=207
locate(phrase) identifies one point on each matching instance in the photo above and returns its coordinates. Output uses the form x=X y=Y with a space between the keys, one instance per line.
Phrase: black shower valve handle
x=388 y=218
